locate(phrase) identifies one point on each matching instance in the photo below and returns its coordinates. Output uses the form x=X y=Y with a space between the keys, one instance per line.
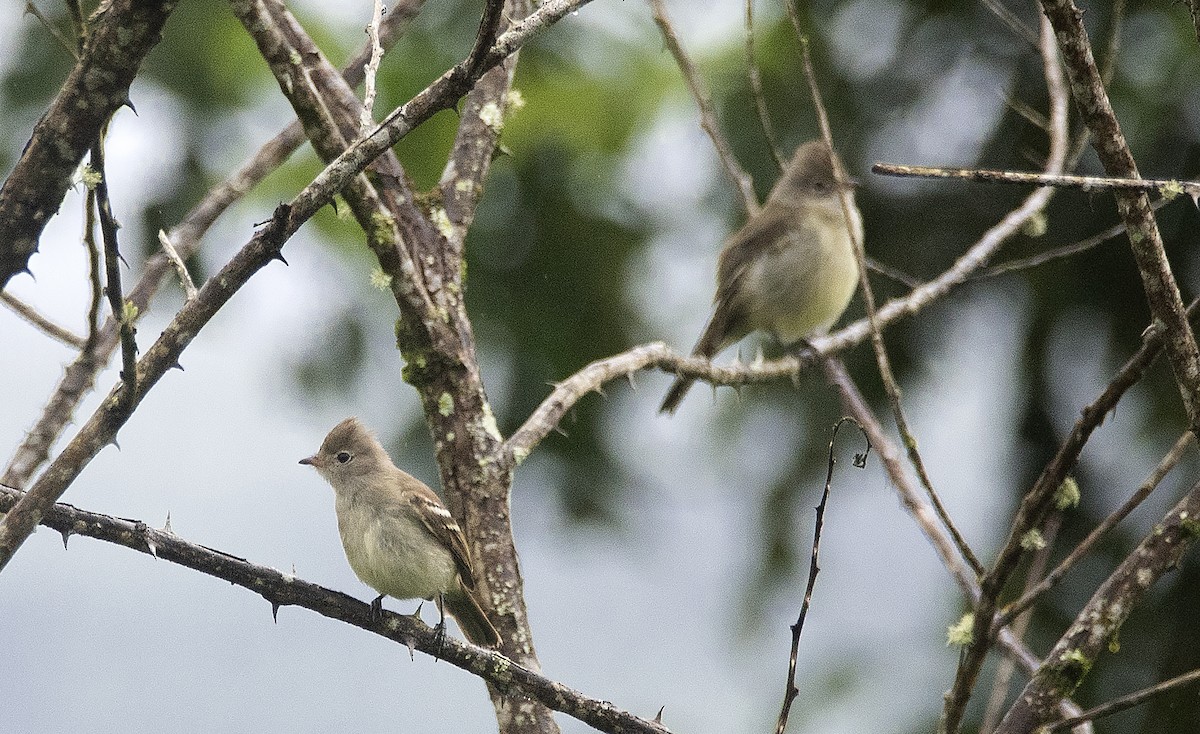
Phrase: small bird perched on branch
x=790 y=270
x=398 y=536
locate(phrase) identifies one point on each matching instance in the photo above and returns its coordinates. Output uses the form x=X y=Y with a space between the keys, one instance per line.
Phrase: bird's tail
x=716 y=337
x=471 y=618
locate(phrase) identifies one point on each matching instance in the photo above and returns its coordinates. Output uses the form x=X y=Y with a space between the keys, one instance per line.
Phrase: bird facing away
x=398 y=536
x=790 y=270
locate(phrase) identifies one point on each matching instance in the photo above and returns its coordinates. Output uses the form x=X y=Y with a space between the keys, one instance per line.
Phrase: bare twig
x=915 y=502
x=993 y=582
x=124 y=313
x=708 y=115
x=1089 y=635
x=53 y=29
x=185 y=278
x=756 y=89
x=79 y=377
x=1080 y=551
x=371 y=68
x=892 y=273
x=1009 y=19
x=1124 y=702
x=118 y=40
x=880 y=349
x=101 y=428
x=41 y=323
x=282 y=589
x=1058 y=253
x=1168 y=187
x=94 y=267
x=1007 y=666
x=1162 y=292
x=860 y=460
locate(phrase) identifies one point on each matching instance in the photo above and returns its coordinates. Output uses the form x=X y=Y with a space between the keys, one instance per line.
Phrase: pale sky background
x=99 y=638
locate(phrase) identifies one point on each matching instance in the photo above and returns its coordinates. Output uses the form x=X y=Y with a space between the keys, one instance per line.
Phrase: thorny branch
x=877 y=344
x=102 y=427
x=860 y=461
x=282 y=589
x=79 y=376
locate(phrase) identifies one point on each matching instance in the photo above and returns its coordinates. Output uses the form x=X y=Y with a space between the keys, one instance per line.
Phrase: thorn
x=600 y=392
x=658 y=716
x=408 y=642
x=127 y=102
x=632 y=383
x=113 y=442
x=333 y=204
x=275 y=611
x=66 y=533
x=167 y=527
x=759 y=357
x=279 y=256
x=796 y=379
x=142 y=528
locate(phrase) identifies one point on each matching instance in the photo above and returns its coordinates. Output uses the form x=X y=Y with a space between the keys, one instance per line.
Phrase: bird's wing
x=760 y=233
x=442 y=526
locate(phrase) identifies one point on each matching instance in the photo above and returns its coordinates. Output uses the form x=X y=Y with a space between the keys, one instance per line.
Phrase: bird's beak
x=313 y=461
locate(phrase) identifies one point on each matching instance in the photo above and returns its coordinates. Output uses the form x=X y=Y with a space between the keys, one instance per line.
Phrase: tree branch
x=119 y=35
x=1166 y=187
x=79 y=376
x=708 y=116
x=102 y=427
x=282 y=589
x=1076 y=651
x=1162 y=293
x=40 y=322
x=993 y=582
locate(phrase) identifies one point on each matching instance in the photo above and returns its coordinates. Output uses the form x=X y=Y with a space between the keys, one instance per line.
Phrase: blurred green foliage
x=551 y=252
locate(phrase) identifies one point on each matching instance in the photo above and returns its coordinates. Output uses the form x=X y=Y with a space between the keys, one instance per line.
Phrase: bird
x=790 y=270
x=398 y=536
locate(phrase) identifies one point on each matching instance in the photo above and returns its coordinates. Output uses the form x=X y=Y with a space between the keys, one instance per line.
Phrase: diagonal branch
x=265 y=246
x=40 y=322
x=282 y=589
x=79 y=377
x=708 y=116
x=1089 y=635
x=993 y=582
x=120 y=34
x=1145 y=240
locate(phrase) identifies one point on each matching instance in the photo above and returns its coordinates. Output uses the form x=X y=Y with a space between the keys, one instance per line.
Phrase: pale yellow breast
x=801 y=288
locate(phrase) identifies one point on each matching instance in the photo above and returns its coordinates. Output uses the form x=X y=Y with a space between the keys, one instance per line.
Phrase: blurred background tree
x=599 y=230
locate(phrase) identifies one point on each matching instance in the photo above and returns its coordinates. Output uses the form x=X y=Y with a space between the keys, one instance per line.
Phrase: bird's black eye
x=344 y=457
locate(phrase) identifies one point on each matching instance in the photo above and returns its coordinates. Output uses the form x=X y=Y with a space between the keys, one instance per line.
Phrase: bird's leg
x=801 y=349
x=439 y=632
x=377 y=608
